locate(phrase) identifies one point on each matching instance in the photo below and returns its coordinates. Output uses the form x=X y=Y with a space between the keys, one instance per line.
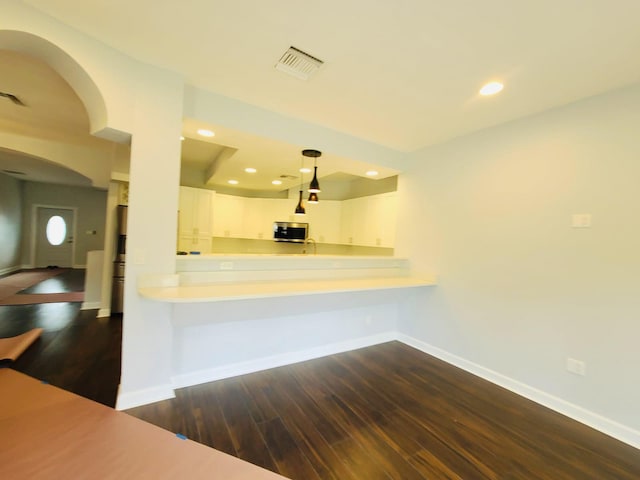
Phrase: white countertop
x=268 y=289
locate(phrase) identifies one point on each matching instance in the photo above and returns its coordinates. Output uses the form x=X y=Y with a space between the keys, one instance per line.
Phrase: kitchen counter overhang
x=214 y=278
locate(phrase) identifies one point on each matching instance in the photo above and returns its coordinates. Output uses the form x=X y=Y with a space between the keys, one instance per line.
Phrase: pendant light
x=314 y=186
x=300 y=207
x=313 y=197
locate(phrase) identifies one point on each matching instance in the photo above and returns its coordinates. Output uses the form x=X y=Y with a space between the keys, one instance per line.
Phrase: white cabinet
x=382 y=220
x=369 y=221
x=366 y=221
x=195 y=220
x=228 y=212
x=259 y=215
x=324 y=221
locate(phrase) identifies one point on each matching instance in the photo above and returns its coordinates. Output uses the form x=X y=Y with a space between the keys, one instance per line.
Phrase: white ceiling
x=403 y=74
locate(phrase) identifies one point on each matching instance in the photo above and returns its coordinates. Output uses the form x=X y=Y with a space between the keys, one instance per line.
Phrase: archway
x=50 y=148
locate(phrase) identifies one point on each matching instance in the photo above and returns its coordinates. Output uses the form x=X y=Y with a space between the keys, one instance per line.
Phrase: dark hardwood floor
x=76 y=351
x=389 y=412
x=384 y=412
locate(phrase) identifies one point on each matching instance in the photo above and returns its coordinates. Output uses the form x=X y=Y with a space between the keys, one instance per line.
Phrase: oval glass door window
x=56 y=230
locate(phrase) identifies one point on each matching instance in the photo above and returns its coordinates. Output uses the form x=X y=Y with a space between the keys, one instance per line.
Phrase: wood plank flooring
x=76 y=351
x=388 y=412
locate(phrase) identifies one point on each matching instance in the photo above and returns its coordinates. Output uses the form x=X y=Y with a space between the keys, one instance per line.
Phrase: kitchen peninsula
x=236 y=314
x=214 y=278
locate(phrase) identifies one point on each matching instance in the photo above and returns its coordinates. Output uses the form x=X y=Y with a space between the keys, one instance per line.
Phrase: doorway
x=54 y=237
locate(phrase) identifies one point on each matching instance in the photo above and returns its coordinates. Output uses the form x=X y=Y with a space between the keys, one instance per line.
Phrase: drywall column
x=151 y=236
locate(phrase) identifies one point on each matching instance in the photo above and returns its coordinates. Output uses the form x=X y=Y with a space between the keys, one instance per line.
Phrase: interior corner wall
x=90 y=204
x=10 y=223
x=520 y=290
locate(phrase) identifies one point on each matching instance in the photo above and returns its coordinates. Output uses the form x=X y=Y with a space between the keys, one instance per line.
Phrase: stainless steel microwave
x=290 y=232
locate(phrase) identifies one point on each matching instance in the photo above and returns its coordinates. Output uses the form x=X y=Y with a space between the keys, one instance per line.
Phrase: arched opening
x=57 y=149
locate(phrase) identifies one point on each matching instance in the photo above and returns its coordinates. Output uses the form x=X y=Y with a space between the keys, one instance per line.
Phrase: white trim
x=580 y=414
x=103 y=312
x=8 y=270
x=90 y=305
x=265 y=363
x=79 y=267
x=143 y=397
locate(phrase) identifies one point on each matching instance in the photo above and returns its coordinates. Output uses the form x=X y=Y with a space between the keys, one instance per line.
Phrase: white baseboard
x=79 y=267
x=143 y=397
x=582 y=415
x=265 y=363
x=8 y=270
x=103 y=312
x=90 y=305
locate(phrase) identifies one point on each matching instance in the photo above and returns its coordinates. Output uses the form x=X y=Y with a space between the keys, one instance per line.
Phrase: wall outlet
x=577 y=367
x=139 y=256
x=581 y=220
x=226 y=265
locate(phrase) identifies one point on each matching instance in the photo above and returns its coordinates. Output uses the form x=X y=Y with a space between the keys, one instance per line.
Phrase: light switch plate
x=581 y=220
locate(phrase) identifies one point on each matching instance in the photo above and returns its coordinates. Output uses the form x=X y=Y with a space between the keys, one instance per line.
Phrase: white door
x=54 y=237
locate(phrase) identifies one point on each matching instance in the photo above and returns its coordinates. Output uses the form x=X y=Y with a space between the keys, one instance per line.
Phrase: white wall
x=90 y=216
x=10 y=223
x=519 y=290
x=218 y=340
x=145 y=102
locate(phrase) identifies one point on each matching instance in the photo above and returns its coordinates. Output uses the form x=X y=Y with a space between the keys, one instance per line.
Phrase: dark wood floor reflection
x=76 y=351
x=388 y=412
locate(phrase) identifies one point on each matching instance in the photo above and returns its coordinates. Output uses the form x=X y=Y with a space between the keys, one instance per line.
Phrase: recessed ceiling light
x=250 y=170
x=305 y=170
x=232 y=182
x=277 y=182
x=372 y=173
x=491 y=88
x=181 y=138
x=205 y=133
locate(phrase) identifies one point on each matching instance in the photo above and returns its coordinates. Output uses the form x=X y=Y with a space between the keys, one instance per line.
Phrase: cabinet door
x=257 y=222
x=203 y=213
x=325 y=220
x=381 y=220
x=228 y=215
x=195 y=211
x=186 y=218
x=346 y=222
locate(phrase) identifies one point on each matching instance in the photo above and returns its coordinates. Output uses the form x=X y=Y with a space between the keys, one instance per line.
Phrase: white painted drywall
x=10 y=223
x=519 y=289
x=225 y=336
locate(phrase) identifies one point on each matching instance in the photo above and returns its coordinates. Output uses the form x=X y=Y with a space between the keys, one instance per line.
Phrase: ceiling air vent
x=13 y=98
x=298 y=63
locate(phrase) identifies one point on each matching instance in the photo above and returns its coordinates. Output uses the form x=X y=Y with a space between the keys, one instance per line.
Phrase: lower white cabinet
x=194 y=244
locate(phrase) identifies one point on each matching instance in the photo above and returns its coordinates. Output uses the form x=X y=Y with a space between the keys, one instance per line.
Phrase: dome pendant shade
x=313 y=197
x=300 y=207
x=314 y=186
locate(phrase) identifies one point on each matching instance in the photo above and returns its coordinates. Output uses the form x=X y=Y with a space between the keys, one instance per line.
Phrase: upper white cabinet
x=366 y=221
x=195 y=219
x=324 y=220
x=228 y=213
x=369 y=221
